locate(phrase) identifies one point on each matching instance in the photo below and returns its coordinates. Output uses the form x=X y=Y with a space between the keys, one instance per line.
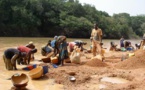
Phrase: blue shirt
x=53 y=43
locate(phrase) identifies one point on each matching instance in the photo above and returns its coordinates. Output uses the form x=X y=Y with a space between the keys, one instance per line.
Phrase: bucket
x=46 y=60
x=45 y=69
x=131 y=54
x=54 y=60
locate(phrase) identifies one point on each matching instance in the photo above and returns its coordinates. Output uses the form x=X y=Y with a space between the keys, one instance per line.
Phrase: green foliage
x=68 y=17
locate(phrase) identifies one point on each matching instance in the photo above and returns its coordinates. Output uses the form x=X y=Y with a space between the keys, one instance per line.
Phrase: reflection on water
x=114 y=80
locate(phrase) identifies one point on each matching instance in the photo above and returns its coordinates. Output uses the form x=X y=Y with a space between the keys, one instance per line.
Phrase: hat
x=55 y=37
x=30 y=42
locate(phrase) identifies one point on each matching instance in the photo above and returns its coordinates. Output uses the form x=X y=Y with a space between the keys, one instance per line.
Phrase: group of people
x=61 y=48
x=56 y=47
x=21 y=55
x=124 y=45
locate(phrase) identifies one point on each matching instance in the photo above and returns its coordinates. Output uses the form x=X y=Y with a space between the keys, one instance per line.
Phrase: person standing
x=121 y=42
x=96 y=35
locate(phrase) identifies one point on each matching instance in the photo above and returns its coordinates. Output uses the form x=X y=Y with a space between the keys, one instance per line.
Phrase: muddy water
x=114 y=80
x=44 y=84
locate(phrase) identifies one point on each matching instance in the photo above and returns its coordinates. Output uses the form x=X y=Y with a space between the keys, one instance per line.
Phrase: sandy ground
x=112 y=74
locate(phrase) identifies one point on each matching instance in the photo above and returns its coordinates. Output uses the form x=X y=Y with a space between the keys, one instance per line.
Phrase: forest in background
x=47 y=18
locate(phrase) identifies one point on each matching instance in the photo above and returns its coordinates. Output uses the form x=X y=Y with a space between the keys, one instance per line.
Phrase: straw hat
x=30 y=42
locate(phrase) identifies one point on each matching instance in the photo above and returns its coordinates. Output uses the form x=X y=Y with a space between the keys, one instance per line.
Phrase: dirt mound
x=61 y=75
x=137 y=61
x=96 y=63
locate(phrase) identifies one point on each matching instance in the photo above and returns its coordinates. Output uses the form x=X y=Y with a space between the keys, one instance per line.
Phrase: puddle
x=114 y=80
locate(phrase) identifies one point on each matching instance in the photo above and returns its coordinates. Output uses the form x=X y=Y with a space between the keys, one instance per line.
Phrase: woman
x=63 y=52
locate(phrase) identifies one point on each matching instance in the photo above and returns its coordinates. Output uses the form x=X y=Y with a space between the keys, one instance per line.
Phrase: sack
x=75 y=57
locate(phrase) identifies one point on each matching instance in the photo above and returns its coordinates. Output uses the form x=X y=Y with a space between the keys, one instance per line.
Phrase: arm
x=92 y=33
x=29 y=57
x=101 y=35
x=13 y=61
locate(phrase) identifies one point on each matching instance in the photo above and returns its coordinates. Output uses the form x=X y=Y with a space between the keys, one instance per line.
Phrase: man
x=31 y=46
x=10 y=56
x=28 y=51
x=96 y=35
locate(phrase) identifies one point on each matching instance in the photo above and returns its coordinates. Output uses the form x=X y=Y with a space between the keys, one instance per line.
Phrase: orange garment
x=96 y=35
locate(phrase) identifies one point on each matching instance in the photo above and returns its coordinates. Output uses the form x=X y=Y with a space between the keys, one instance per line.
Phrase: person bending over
x=10 y=56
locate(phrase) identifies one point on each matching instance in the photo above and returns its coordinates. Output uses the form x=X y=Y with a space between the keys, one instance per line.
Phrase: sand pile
x=137 y=61
x=61 y=75
x=96 y=63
